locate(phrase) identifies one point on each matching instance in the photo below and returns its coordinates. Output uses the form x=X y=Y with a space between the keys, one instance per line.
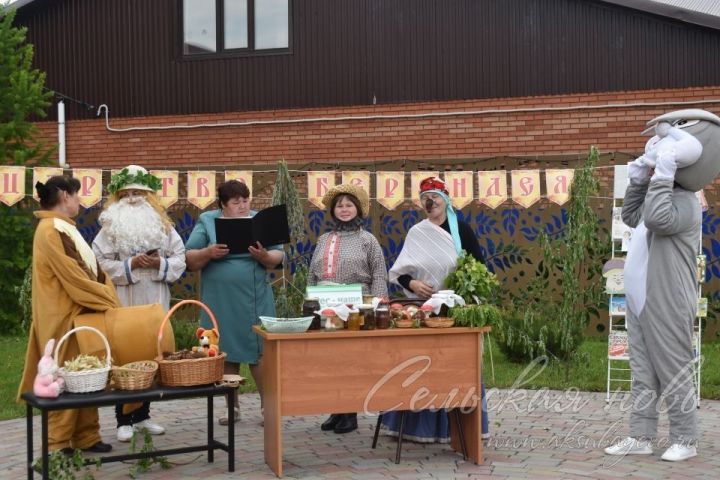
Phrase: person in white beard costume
x=141 y=251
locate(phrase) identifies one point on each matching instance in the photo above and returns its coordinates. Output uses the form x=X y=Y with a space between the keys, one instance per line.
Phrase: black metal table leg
x=45 y=459
x=231 y=436
x=211 y=436
x=461 y=433
x=29 y=430
x=400 y=436
x=377 y=430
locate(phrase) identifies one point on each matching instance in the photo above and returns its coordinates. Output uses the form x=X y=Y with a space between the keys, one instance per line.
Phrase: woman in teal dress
x=233 y=286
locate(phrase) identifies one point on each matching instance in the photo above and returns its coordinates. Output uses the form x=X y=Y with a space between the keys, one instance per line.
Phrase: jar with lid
x=368 y=315
x=382 y=315
x=309 y=307
x=353 y=321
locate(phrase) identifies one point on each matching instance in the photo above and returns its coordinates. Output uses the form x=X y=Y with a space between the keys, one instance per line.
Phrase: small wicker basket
x=134 y=375
x=85 y=381
x=191 y=371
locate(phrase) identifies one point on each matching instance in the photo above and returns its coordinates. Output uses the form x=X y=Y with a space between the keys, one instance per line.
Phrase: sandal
x=224 y=420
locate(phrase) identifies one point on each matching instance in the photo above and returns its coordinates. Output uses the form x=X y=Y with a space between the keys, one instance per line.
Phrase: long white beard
x=133 y=228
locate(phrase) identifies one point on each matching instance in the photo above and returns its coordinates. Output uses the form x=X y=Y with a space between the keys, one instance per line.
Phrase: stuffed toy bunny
x=47 y=384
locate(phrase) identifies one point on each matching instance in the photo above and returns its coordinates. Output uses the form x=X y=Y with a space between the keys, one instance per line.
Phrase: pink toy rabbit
x=47 y=384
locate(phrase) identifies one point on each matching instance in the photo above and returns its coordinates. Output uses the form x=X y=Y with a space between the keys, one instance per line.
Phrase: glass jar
x=353 y=322
x=309 y=307
x=368 y=315
x=382 y=318
x=332 y=323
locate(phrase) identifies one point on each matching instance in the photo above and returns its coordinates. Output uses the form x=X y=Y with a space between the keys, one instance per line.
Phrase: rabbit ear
x=49 y=347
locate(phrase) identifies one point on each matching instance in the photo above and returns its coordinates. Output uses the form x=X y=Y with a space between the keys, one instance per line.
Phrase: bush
x=16 y=239
x=24 y=294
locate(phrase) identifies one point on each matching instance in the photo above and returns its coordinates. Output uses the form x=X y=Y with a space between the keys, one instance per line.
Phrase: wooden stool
x=455 y=413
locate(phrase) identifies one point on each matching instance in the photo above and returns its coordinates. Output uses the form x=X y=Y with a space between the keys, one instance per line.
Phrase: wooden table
x=113 y=397
x=322 y=372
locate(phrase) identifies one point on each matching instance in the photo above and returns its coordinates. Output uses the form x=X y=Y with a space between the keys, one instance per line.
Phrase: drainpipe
x=61 y=133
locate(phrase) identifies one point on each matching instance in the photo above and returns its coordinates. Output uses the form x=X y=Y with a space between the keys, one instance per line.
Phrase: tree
x=22 y=95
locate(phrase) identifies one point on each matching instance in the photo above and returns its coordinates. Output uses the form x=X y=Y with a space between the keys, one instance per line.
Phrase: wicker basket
x=439 y=322
x=134 y=375
x=86 y=380
x=191 y=371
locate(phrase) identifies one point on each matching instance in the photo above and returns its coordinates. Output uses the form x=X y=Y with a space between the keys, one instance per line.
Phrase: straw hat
x=346 y=188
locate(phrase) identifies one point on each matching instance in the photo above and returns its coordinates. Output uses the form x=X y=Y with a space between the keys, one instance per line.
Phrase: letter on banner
x=557 y=185
x=168 y=193
x=492 y=187
x=12 y=185
x=42 y=174
x=525 y=187
x=460 y=186
x=390 y=188
x=244 y=176
x=90 y=185
x=415 y=179
x=361 y=179
x=201 y=188
x=318 y=185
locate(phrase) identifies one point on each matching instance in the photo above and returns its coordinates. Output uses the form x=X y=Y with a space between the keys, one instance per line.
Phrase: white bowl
x=286 y=325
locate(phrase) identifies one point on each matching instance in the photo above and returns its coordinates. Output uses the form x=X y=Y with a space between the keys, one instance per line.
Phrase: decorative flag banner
x=360 y=179
x=90 y=185
x=318 y=185
x=460 y=186
x=12 y=185
x=244 y=176
x=415 y=179
x=557 y=185
x=525 y=187
x=390 y=188
x=42 y=174
x=168 y=193
x=201 y=188
x=492 y=187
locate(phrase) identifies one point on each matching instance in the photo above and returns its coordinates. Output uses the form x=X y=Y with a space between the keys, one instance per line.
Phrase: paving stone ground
x=535 y=435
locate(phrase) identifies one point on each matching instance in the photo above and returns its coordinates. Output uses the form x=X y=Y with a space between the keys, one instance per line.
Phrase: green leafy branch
x=124 y=178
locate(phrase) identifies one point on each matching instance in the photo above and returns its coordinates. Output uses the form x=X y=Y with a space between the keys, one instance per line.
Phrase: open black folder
x=268 y=226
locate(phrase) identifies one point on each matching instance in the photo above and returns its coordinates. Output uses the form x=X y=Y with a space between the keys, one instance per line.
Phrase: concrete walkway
x=535 y=435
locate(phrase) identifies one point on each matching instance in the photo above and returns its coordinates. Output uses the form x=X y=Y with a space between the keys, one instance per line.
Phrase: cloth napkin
x=341 y=310
x=437 y=301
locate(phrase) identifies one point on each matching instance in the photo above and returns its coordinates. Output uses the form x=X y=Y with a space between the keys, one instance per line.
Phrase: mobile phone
x=151 y=252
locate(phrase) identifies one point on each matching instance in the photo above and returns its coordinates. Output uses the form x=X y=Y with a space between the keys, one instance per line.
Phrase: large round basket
x=191 y=371
x=85 y=381
x=134 y=375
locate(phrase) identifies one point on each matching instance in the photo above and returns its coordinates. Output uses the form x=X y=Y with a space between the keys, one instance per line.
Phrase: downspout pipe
x=61 y=133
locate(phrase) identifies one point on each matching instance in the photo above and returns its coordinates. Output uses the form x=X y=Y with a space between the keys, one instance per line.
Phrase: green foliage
x=473 y=281
x=473 y=315
x=15 y=258
x=548 y=320
x=22 y=94
x=24 y=295
x=124 y=178
x=145 y=464
x=65 y=467
x=290 y=294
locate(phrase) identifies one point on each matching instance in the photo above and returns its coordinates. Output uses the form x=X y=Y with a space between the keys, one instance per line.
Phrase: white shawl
x=428 y=255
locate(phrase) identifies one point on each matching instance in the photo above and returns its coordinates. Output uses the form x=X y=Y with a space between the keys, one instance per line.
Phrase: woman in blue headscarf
x=428 y=256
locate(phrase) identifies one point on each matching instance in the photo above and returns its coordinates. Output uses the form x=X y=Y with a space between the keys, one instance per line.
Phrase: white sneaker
x=151 y=427
x=630 y=446
x=125 y=433
x=678 y=452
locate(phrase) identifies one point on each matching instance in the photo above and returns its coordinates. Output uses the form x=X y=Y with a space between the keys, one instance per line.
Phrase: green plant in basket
x=474 y=315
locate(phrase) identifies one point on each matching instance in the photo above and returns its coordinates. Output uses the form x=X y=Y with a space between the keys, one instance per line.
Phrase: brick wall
x=524 y=133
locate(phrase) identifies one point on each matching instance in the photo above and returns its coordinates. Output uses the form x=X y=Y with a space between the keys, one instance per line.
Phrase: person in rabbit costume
x=660 y=276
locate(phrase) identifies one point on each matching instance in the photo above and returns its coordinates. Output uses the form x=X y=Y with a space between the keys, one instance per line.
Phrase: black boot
x=330 y=423
x=347 y=423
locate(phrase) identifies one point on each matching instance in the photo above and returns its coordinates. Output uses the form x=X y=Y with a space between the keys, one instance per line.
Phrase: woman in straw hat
x=428 y=256
x=348 y=254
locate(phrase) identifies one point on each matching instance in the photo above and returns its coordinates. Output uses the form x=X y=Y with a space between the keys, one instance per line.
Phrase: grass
x=588 y=373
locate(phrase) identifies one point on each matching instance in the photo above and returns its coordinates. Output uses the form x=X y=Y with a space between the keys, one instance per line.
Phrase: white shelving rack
x=618 y=370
